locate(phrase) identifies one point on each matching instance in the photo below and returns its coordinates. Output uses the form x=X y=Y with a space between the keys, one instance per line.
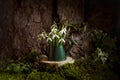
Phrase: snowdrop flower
x=54 y=30
x=104 y=59
x=55 y=36
x=49 y=39
x=54 y=26
x=43 y=35
x=61 y=41
x=63 y=31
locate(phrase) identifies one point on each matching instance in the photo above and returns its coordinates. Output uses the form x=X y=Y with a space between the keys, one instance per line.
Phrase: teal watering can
x=57 y=53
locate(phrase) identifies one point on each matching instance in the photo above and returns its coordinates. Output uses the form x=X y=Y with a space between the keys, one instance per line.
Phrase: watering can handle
x=73 y=42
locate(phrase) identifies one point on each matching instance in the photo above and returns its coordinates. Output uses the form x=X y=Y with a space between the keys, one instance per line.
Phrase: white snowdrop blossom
x=54 y=30
x=55 y=36
x=43 y=35
x=63 y=31
x=61 y=41
x=49 y=39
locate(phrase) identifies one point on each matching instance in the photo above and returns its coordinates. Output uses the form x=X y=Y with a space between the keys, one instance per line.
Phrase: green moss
x=44 y=76
x=70 y=72
x=8 y=76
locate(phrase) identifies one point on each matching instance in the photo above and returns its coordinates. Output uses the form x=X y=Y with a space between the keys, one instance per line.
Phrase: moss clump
x=8 y=76
x=34 y=75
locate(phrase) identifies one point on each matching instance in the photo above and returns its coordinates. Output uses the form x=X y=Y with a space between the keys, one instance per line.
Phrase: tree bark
x=21 y=22
x=71 y=11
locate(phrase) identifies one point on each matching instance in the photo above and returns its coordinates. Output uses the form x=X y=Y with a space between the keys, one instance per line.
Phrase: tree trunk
x=20 y=23
x=71 y=11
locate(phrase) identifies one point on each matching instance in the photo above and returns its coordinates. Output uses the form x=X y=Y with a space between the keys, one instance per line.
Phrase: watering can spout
x=73 y=42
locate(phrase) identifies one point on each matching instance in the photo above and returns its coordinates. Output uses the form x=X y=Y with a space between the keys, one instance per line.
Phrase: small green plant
x=17 y=68
x=30 y=58
x=102 y=55
x=105 y=45
x=99 y=37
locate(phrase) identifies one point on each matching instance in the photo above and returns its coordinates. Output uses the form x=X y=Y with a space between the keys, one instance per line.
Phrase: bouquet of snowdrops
x=58 y=34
